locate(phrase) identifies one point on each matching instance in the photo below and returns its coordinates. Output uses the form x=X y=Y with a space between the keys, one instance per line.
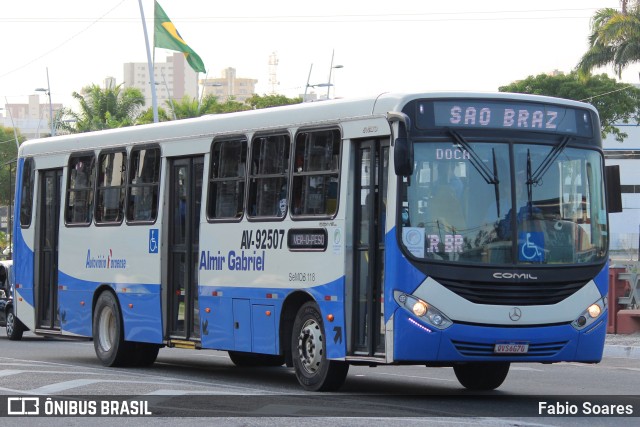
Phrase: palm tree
x=189 y=107
x=614 y=39
x=102 y=109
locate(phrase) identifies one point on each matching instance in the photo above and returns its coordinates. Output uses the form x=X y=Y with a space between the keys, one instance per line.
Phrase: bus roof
x=305 y=114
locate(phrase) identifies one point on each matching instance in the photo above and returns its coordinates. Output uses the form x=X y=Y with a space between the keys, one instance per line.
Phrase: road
x=189 y=383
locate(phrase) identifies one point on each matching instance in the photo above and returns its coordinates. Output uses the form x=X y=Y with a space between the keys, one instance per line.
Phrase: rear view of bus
x=502 y=235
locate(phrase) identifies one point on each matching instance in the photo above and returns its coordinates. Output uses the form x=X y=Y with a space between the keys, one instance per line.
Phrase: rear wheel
x=108 y=334
x=314 y=371
x=481 y=376
x=253 y=359
x=14 y=327
x=143 y=354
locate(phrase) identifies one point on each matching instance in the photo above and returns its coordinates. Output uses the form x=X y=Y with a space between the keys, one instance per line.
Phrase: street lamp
x=206 y=84
x=47 y=91
x=330 y=70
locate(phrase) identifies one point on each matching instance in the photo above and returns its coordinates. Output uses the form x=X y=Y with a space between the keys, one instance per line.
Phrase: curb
x=622 y=351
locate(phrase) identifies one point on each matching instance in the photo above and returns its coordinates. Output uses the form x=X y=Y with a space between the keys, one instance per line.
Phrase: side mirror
x=614 y=192
x=403 y=157
x=403 y=146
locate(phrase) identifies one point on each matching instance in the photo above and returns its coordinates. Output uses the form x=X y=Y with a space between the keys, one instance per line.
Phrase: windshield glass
x=546 y=209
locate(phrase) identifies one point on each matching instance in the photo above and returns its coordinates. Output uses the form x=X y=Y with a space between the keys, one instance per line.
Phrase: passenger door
x=185 y=186
x=46 y=260
x=370 y=195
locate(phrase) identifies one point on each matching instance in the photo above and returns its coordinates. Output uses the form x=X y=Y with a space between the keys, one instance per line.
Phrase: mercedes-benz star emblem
x=515 y=314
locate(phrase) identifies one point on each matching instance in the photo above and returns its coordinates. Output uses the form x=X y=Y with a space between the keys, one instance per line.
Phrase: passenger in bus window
x=282 y=203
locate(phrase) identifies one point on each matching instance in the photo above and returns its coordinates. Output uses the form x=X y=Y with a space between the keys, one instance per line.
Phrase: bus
x=461 y=230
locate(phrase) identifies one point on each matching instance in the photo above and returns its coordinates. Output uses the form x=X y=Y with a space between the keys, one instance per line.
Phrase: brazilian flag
x=166 y=36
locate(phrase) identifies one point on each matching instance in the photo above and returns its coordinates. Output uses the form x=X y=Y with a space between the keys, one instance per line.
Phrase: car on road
x=7 y=318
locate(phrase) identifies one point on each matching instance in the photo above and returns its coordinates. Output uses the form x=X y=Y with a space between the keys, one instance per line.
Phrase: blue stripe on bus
x=141 y=310
x=139 y=303
x=217 y=317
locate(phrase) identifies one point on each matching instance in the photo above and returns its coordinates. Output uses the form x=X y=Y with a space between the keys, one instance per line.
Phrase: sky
x=383 y=46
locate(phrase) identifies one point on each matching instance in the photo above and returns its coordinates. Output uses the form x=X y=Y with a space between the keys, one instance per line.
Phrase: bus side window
x=227 y=179
x=110 y=188
x=26 y=201
x=316 y=173
x=80 y=189
x=143 y=182
x=268 y=178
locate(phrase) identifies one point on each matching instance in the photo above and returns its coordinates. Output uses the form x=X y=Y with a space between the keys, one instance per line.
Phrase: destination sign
x=525 y=116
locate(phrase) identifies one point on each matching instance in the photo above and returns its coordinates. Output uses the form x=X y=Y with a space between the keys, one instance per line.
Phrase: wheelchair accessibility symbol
x=531 y=246
x=153 y=240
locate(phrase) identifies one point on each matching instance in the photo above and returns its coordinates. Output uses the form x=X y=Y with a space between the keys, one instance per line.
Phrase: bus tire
x=481 y=376
x=14 y=326
x=243 y=359
x=143 y=354
x=108 y=333
x=308 y=347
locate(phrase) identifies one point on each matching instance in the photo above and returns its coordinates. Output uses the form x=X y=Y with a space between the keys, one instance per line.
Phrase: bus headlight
x=423 y=310
x=590 y=315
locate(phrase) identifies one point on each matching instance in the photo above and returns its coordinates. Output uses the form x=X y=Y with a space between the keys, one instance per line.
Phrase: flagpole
x=152 y=81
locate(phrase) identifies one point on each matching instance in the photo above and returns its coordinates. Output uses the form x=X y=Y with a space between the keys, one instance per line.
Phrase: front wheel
x=481 y=376
x=314 y=371
x=14 y=326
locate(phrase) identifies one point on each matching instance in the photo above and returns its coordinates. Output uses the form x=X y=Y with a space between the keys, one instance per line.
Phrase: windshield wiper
x=483 y=170
x=546 y=163
x=489 y=176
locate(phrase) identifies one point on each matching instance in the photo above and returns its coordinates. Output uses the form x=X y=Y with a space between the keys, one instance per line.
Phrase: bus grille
x=472 y=349
x=514 y=293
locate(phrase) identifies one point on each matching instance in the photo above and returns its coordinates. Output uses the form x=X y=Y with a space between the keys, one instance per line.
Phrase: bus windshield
x=468 y=202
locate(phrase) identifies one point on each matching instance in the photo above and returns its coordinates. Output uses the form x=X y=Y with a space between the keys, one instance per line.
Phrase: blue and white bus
x=443 y=229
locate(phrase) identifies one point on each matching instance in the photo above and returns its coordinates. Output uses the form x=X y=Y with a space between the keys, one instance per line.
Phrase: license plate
x=511 y=348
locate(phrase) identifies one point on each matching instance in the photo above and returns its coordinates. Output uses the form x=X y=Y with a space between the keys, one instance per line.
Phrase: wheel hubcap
x=10 y=321
x=106 y=329
x=310 y=346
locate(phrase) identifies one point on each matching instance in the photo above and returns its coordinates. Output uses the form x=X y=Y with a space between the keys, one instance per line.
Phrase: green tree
x=146 y=116
x=189 y=107
x=266 y=101
x=8 y=154
x=616 y=102
x=614 y=39
x=230 y=106
x=102 y=109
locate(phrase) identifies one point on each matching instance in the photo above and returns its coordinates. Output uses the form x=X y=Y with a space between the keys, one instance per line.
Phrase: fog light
x=594 y=311
x=581 y=321
x=419 y=308
x=436 y=319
